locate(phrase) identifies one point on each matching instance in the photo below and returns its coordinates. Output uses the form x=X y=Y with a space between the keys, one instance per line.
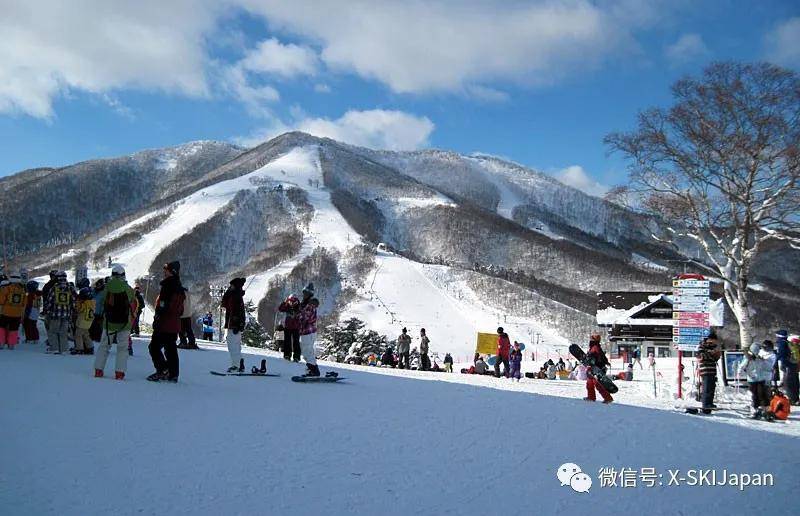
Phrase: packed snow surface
x=390 y=443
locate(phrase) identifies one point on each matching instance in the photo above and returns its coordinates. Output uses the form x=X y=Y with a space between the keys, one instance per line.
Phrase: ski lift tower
x=216 y=292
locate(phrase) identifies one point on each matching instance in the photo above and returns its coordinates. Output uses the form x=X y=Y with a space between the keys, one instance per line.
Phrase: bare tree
x=721 y=167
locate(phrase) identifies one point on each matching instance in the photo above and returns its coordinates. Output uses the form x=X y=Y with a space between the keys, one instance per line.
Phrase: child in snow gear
x=208 y=326
x=424 y=344
x=33 y=306
x=758 y=372
x=404 y=349
x=12 y=309
x=503 y=351
x=515 y=361
x=308 y=329
x=59 y=307
x=235 y=319
x=166 y=325
x=187 y=332
x=709 y=354
x=85 y=310
x=291 y=328
x=597 y=357
x=119 y=309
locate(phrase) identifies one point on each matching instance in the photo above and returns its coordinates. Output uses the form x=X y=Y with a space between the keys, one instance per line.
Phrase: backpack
x=779 y=406
x=17 y=297
x=61 y=298
x=117 y=308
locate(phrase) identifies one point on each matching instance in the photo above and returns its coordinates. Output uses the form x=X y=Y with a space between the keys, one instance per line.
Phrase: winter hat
x=32 y=286
x=53 y=273
x=15 y=278
x=767 y=344
x=173 y=267
x=238 y=282
x=84 y=282
x=117 y=270
x=61 y=275
x=782 y=333
x=754 y=348
x=499 y=330
x=794 y=339
x=309 y=289
x=85 y=293
x=405 y=330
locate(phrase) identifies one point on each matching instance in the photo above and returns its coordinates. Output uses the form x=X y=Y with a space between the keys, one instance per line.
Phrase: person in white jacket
x=758 y=371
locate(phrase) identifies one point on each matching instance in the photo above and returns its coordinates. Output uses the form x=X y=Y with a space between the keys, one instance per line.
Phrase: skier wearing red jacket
x=503 y=352
x=599 y=359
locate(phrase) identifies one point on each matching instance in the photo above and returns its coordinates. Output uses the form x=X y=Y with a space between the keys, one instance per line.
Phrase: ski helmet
x=117 y=270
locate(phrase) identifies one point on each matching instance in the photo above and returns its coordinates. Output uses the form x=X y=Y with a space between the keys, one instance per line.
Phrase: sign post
x=691 y=305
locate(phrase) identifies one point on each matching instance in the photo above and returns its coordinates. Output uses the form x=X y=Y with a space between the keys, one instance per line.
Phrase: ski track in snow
x=381 y=442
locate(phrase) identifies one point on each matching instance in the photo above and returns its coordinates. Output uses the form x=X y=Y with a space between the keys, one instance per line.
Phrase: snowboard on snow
x=330 y=377
x=220 y=373
x=769 y=417
x=597 y=372
x=255 y=371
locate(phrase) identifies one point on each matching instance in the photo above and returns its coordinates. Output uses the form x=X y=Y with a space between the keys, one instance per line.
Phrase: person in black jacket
x=709 y=354
x=166 y=325
x=139 y=309
x=235 y=318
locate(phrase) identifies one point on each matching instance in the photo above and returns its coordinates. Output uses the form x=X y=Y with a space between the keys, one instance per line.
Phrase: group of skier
x=300 y=328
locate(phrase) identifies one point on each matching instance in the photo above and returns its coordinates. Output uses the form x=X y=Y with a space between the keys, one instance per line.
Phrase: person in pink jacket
x=308 y=329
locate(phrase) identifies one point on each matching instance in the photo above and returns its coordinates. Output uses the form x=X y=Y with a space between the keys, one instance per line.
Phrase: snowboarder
x=85 y=310
x=308 y=329
x=424 y=344
x=12 y=309
x=787 y=365
x=758 y=371
x=59 y=307
x=291 y=328
x=515 y=360
x=404 y=349
x=448 y=363
x=208 y=326
x=187 y=340
x=166 y=325
x=135 y=330
x=599 y=359
x=119 y=311
x=233 y=303
x=503 y=350
x=33 y=306
x=708 y=354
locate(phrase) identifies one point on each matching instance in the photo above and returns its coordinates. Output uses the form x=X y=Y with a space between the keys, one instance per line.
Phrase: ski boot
x=98 y=373
x=255 y=370
x=241 y=365
x=157 y=376
x=233 y=369
x=331 y=374
x=73 y=351
x=119 y=375
x=263 y=369
x=312 y=370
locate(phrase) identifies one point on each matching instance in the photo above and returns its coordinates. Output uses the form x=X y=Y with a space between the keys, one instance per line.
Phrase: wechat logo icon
x=570 y=474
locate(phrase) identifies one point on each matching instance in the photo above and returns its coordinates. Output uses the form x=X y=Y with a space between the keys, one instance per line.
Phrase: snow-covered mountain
x=470 y=242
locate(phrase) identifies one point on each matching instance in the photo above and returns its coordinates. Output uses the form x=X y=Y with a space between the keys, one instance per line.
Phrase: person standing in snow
x=208 y=326
x=598 y=358
x=135 y=331
x=503 y=351
x=404 y=349
x=515 y=361
x=166 y=325
x=119 y=310
x=187 y=332
x=560 y=365
x=235 y=319
x=12 y=309
x=424 y=345
x=84 y=307
x=448 y=363
x=709 y=354
x=793 y=383
x=291 y=328
x=787 y=365
x=33 y=306
x=308 y=329
x=637 y=357
x=59 y=307
x=758 y=372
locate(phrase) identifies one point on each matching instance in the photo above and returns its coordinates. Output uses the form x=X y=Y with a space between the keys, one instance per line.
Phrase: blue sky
x=538 y=82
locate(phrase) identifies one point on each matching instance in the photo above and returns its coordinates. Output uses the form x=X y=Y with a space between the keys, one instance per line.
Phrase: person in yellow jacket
x=85 y=309
x=12 y=308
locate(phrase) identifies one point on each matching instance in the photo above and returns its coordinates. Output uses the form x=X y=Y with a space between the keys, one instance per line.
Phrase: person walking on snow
x=598 y=358
x=637 y=357
x=233 y=303
x=503 y=351
x=424 y=345
x=12 y=309
x=208 y=326
x=59 y=307
x=119 y=310
x=404 y=349
x=187 y=340
x=448 y=363
x=291 y=328
x=515 y=360
x=709 y=354
x=166 y=325
x=758 y=371
x=139 y=309
x=308 y=329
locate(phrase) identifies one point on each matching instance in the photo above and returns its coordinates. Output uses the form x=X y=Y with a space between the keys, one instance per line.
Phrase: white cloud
x=376 y=128
x=272 y=56
x=49 y=47
x=576 y=177
x=254 y=97
x=416 y=46
x=688 y=48
x=322 y=88
x=783 y=43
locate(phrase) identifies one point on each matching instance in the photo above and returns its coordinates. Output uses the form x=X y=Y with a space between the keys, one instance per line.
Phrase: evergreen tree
x=254 y=335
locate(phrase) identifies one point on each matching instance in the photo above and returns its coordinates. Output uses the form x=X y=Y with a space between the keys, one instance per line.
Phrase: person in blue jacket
x=207 y=322
x=788 y=366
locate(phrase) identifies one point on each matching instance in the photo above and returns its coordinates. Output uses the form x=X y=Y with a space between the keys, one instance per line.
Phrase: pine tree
x=254 y=334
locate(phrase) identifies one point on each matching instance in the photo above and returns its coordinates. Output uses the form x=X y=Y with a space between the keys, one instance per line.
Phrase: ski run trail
x=380 y=442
